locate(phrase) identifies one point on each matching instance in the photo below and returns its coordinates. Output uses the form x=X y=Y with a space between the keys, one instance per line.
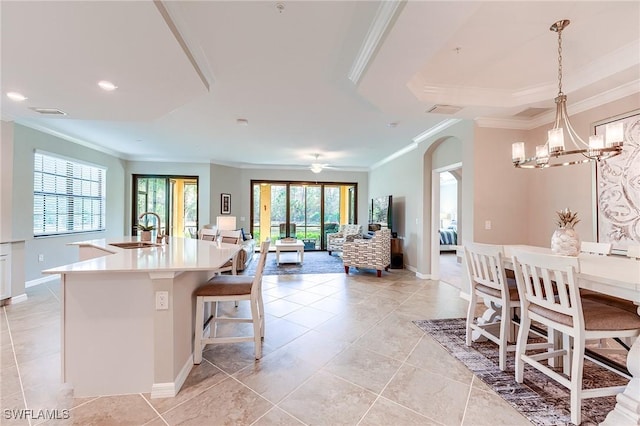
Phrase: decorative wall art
x=618 y=187
x=225 y=203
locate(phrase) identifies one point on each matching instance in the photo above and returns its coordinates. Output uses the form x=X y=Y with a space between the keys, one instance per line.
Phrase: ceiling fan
x=317 y=167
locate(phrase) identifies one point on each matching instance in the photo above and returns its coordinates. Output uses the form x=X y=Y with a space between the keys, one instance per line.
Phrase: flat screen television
x=381 y=211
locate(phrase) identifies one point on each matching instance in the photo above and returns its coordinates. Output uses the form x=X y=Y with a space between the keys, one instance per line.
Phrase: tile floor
x=338 y=350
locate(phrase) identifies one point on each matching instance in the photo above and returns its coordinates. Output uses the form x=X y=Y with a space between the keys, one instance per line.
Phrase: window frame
x=76 y=190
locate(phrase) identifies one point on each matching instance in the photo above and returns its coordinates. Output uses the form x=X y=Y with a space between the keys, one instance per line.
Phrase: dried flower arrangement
x=566 y=219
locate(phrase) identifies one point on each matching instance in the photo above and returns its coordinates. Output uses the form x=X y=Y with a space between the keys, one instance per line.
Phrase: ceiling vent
x=48 y=111
x=531 y=112
x=444 y=109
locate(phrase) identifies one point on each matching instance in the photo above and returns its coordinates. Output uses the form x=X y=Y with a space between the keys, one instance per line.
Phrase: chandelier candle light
x=549 y=154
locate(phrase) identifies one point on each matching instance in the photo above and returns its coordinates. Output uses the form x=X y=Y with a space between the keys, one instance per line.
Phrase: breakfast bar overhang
x=127 y=313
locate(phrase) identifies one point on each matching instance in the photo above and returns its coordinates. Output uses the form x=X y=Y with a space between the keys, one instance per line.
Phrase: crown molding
x=436 y=129
x=417 y=140
x=627 y=89
x=72 y=139
x=384 y=15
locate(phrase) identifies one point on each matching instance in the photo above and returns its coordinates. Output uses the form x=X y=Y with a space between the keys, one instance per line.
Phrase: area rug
x=541 y=400
x=314 y=262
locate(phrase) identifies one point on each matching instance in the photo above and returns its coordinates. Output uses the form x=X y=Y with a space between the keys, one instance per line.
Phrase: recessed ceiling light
x=107 y=85
x=15 y=96
x=242 y=122
x=392 y=124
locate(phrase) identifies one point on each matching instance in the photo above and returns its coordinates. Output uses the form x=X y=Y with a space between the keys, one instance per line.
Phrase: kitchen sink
x=134 y=244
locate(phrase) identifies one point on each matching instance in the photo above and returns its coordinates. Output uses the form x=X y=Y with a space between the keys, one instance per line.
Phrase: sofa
x=245 y=256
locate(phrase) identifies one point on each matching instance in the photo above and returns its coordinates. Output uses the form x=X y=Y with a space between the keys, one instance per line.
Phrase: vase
x=565 y=242
x=145 y=236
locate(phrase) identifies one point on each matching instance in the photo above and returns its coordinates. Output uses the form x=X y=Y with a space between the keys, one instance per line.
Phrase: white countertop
x=180 y=254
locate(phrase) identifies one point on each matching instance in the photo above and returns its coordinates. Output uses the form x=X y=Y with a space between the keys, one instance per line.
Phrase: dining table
x=618 y=276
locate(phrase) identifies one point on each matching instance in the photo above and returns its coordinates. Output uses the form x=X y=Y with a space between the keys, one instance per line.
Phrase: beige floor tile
x=430 y=356
x=201 y=377
x=108 y=411
x=488 y=409
x=51 y=396
x=364 y=368
x=304 y=297
x=276 y=416
x=331 y=304
x=281 y=332
x=228 y=403
x=346 y=328
x=480 y=385
x=231 y=357
x=281 y=307
x=395 y=336
x=158 y=421
x=309 y=317
x=281 y=291
x=419 y=306
x=276 y=375
x=328 y=400
x=10 y=381
x=44 y=370
x=314 y=347
x=385 y=412
x=13 y=410
x=320 y=362
x=431 y=395
x=323 y=289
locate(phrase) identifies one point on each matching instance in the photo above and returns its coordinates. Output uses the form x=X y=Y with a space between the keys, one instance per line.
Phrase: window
x=68 y=196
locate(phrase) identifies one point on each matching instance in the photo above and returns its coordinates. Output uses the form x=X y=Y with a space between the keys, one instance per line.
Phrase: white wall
x=411 y=183
x=573 y=187
x=6 y=181
x=54 y=249
x=520 y=203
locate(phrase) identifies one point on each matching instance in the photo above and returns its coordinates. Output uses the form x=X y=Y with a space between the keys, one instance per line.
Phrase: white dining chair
x=488 y=279
x=227 y=288
x=590 y=247
x=550 y=295
x=208 y=234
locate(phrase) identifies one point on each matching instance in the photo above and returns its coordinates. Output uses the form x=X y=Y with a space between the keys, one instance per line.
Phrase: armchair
x=346 y=233
x=374 y=253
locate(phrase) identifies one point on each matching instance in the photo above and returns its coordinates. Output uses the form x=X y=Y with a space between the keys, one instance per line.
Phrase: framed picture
x=618 y=188
x=225 y=203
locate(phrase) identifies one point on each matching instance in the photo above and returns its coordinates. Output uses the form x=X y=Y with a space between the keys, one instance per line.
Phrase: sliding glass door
x=305 y=211
x=173 y=198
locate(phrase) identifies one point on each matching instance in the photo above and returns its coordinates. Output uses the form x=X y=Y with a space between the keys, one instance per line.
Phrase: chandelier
x=554 y=153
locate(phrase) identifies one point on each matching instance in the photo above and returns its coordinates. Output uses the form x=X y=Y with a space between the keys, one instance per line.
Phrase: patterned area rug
x=541 y=400
x=314 y=262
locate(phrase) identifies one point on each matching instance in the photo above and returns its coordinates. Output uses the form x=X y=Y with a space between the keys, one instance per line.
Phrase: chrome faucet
x=159 y=235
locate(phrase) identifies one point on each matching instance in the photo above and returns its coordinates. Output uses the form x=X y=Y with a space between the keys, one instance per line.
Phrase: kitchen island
x=127 y=313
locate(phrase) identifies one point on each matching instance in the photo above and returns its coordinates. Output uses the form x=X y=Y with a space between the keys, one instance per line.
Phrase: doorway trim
x=435 y=216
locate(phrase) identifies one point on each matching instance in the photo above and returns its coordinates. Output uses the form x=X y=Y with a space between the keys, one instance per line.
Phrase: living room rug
x=314 y=262
x=541 y=400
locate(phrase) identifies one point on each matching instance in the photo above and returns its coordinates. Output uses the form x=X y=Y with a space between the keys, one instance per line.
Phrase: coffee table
x=297 y=246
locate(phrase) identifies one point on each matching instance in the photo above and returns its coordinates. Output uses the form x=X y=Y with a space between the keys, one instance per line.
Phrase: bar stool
x=222 y=288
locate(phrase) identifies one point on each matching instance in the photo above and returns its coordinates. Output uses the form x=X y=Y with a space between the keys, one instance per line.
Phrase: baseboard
x=465 y=296
x=16 y=299
x=41 y=280
x=424 y=276
x=171 y=389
